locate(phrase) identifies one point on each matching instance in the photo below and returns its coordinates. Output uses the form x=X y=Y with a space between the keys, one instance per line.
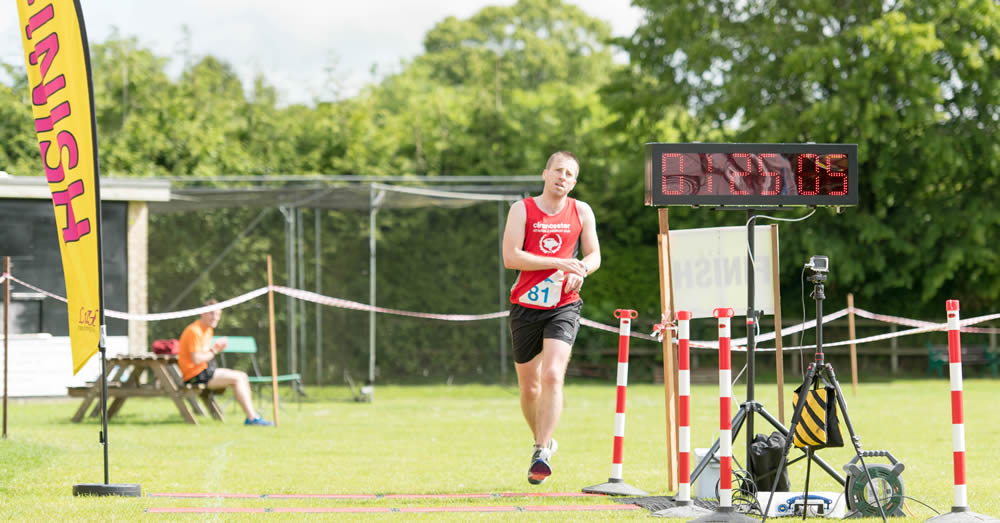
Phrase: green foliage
x=914 y=83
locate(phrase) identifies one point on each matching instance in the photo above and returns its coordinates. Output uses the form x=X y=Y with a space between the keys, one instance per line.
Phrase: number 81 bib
x=546 y=294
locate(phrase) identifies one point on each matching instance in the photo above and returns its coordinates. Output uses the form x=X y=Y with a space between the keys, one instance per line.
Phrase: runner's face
x=560 y=177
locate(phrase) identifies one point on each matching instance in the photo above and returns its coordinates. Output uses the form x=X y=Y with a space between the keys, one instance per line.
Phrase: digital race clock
x=751 y=174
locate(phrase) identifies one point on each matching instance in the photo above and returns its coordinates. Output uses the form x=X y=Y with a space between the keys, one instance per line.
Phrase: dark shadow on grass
x=134 y=419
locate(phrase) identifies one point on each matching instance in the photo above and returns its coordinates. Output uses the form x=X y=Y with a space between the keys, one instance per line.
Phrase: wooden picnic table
x=146 y=376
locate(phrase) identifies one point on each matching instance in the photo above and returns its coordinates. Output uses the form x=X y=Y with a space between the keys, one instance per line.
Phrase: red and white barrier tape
x=736 y=344
x=347 y=304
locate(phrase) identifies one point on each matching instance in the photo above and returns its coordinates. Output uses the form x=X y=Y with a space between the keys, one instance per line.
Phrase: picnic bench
x=146 y=376
x=247 y=345
x=978 y=355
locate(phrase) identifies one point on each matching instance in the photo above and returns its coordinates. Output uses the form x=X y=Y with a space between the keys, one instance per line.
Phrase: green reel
x=888 y=485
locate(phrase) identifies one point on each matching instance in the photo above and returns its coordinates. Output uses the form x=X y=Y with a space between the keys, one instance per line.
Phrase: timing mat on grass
x=344 y=510
x=372 y=496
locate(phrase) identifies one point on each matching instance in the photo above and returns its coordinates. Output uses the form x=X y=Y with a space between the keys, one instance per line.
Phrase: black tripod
x=748 y=408
x=819 y=369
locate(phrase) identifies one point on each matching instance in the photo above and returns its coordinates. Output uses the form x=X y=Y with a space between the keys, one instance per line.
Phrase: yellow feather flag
x=58 y=62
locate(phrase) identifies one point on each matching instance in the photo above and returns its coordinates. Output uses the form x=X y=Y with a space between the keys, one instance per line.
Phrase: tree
x=914 y=83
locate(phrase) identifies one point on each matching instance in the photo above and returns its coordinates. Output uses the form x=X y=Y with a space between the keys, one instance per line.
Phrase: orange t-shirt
x=194 y=339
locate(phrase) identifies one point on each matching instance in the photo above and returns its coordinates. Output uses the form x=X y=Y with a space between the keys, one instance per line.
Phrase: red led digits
x=769 y=174
x=741 y=175
x=752 y=175
x=800 y=175
x=679 y=175
x=708 y=172
x=838 y=173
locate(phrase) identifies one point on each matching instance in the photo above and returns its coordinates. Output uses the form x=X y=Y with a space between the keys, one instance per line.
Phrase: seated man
x=196 y=358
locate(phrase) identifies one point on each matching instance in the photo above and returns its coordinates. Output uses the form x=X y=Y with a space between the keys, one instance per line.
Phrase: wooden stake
x=779 y=362
x=274 y=349
x=850 y=333
x=670 y=391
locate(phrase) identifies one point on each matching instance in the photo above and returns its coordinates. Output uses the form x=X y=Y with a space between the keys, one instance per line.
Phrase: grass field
x=447 y=439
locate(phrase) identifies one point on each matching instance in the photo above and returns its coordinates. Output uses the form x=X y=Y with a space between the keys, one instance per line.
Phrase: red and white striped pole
x=684 y=398
x=957 y=420
x=615 y=484
x=725 y=424
x=961 y=509
x=624 y=331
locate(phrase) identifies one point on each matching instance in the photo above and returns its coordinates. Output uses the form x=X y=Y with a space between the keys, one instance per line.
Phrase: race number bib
x=546 y=294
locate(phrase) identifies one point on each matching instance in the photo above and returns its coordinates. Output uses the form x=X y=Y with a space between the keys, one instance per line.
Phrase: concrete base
x=133 y=490
x=615 y=488
x=687 y=510
x=725 y=514
x=960 y=514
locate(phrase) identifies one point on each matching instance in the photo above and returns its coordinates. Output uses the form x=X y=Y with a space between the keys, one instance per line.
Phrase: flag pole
x=107 y=489
x=6 y=336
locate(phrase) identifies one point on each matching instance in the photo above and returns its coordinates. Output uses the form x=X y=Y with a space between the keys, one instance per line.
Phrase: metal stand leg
x=796 y=417
x=855 y=440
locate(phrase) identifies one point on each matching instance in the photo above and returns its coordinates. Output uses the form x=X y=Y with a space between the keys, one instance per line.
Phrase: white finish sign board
x=709 y=269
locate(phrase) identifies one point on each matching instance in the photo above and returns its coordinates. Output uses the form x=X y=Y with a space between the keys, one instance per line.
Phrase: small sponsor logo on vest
x=550 y=243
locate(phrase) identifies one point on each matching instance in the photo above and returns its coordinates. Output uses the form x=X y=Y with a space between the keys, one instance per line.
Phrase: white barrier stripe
x=684 y=329
x=609 y=328
x=622 y=374
x=620 y=424
x=337 y=302
x=958 y=437
x=684 y=439
x=961 y=498
x=190 y=312
x=785 y=331
x=625 y=328
x=726 y=443
x=36 y=289
x=725 y=498
x=860 y=312
x=616 y=471
x=684 y=383
x=955 y=371
x=684 y=492
x=860 y=341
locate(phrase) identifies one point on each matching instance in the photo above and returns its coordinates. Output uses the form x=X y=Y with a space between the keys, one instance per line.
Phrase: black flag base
x=132 y=490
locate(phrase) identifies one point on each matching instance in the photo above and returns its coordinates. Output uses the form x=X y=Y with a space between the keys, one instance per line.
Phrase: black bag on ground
x=766 y=453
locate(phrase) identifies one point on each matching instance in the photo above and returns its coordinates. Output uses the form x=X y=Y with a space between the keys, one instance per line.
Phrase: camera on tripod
x=819 y=263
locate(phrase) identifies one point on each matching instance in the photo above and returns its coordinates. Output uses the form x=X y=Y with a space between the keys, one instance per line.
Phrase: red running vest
x=558 y=236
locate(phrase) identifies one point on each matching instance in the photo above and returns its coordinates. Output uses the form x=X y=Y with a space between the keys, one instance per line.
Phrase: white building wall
x=42 y=365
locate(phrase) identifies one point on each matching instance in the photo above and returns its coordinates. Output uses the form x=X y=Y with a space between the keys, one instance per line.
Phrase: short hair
x=561 y=154
x=211 y=301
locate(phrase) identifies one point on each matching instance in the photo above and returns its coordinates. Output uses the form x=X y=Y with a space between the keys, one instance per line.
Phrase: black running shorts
x=528 y=327
x=203 y=377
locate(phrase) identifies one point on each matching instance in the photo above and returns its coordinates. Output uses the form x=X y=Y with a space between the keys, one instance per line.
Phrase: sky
x=291 y=43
